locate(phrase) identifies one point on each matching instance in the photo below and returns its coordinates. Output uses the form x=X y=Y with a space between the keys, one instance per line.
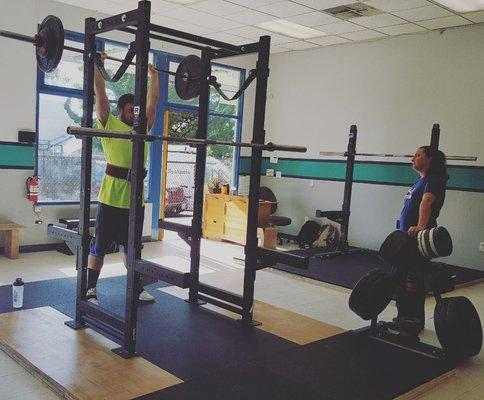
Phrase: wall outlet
x=311 y=183
x=37 y=209
x=278 y=174
x=269 y=172
x=273 y=159
x=481 y=246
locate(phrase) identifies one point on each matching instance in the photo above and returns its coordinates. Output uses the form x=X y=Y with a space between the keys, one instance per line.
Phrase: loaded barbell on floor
x=80 y=132
x=49 y=43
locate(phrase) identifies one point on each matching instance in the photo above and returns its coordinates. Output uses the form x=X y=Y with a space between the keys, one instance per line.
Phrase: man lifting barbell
x=114 y=195
x=422 y=205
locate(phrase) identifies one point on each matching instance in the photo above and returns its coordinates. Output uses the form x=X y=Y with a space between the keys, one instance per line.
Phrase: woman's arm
x=425 y=211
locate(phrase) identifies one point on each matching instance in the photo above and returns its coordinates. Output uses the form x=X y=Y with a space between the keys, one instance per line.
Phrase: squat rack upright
x=123 y=330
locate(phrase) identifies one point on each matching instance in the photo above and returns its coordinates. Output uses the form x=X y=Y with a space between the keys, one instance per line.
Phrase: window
x=225 y=119
x=60 y=105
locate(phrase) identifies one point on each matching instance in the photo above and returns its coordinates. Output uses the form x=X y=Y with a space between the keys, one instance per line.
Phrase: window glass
x=69 y=72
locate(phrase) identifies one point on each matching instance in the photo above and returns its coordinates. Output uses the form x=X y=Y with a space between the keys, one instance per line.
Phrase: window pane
x=180 y=176
x=172 y=96
x=220 y=158
x=126 y=83
x=230 y=81
x=69 y=72
x=59 y=154
x=183 y=124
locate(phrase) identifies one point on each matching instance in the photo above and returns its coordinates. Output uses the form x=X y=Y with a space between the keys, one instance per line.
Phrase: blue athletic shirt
x=434 y=184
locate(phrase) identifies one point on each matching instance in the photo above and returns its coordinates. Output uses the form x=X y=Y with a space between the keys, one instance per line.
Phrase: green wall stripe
x=16 y=156
x=399 y=174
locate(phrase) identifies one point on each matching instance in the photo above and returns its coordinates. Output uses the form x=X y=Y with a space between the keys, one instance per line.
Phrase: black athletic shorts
x=111 y=227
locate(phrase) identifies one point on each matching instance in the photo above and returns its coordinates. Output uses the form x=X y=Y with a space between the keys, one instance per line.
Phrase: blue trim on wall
x=462 y=177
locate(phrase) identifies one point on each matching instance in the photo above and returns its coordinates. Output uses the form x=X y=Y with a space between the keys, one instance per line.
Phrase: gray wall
x=394 y=90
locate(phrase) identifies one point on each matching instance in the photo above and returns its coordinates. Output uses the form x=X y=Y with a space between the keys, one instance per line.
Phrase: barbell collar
x=80 y=132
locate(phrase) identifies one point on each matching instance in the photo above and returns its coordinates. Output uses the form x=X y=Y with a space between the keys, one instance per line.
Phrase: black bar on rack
x=162 y=273
x=175 y=227
x=114 y=22
x=435 y=137
x=244 y=49
x=268 y=257
x=200 y=161
x=195 y=38
x=136 y=210
x=346 y=207
x=102 y=315
x=86 y=170
x=113 y=333
x=258 y=136
x=167 y=39
x=220 y=304
x=221 y=294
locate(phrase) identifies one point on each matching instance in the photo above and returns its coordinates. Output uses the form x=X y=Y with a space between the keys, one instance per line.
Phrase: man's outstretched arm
x=152 y=98
x=102 y=101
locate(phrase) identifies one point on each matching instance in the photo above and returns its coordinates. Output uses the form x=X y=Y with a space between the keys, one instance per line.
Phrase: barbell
x=345 y=154
x=80 y=132
x=49 y=43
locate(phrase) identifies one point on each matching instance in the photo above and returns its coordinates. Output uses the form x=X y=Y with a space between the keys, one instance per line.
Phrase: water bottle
x=18 y=293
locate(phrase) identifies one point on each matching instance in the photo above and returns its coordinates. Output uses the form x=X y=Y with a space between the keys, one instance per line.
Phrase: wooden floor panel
x=292 y=326
x=286 y=324
x=76 y=364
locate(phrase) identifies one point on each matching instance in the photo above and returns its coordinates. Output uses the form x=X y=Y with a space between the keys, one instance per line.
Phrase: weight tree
x=123 y=330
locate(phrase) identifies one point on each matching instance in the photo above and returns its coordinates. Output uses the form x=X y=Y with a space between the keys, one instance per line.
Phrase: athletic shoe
x=145 y=296
x=91 y=296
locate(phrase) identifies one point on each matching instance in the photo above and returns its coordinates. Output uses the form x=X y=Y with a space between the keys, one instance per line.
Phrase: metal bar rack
x=123 y=330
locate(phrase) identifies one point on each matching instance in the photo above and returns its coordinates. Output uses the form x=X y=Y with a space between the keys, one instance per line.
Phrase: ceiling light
x=463 y=5
x=288 y=28
x=182 y=1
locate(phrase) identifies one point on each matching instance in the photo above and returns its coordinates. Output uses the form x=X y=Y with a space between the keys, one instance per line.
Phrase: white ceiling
x=233 y=21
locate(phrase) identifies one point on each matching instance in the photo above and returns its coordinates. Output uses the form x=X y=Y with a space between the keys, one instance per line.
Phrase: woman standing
x=421 y=208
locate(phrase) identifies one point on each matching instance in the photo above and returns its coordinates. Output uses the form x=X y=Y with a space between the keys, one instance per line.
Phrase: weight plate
x=371 y=294
x=458 y=327
x=51 y=43
x=187 y=79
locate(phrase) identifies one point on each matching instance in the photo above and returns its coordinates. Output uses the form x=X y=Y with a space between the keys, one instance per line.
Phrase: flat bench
x=73 y=223
x=11 y=238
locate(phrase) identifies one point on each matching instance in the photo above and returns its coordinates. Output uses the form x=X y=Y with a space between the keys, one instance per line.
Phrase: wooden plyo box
x=225 y=218
x=11 y=238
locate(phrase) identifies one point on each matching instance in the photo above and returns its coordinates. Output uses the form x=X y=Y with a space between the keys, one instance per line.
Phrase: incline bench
x=11 y=238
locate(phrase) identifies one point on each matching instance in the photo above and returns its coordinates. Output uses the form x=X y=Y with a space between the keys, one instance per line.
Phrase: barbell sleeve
x=17 y=36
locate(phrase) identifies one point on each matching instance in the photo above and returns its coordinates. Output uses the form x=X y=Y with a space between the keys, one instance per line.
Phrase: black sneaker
x=91 y=296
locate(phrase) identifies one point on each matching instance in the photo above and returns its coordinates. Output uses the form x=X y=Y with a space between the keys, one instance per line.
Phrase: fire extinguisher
x=33 y=188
